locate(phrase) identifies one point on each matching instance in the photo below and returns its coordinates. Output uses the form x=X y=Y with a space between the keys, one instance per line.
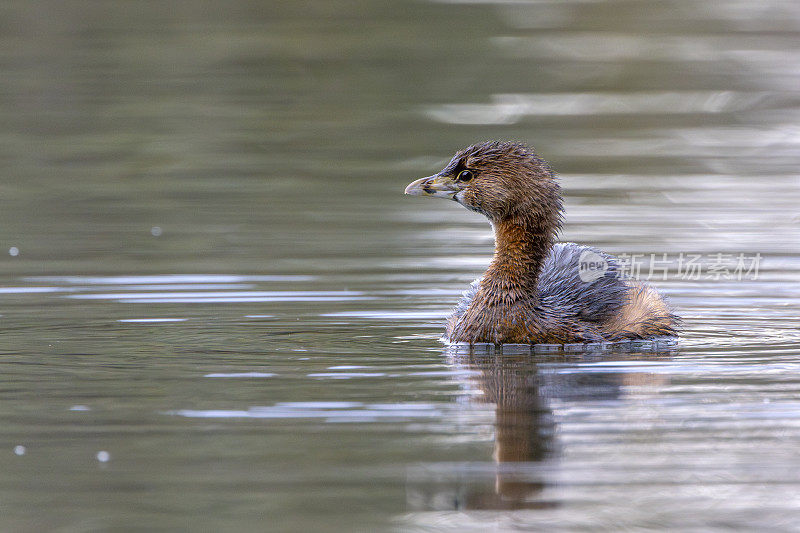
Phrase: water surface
x=209 y=272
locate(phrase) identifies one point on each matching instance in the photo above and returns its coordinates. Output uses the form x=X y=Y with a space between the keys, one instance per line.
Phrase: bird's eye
x=465 y=175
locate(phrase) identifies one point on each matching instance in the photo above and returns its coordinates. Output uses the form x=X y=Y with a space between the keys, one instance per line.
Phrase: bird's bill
x=434 y=186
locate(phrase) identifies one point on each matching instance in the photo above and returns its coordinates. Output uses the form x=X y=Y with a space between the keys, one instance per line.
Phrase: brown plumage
x=533 y=291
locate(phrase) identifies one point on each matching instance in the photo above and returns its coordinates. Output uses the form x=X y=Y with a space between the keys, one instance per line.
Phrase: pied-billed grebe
x=535 y=290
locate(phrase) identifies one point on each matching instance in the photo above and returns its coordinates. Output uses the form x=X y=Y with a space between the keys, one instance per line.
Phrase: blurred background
x=197 y=190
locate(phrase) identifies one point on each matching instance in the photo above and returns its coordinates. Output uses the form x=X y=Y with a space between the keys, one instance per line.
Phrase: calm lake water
x=219 y=312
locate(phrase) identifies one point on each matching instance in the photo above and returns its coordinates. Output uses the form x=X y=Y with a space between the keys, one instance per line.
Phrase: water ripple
x=329 y=411
x=151 y=320
x=510 y=108
x=226 y=297
x=167 y=278
x=240 y=375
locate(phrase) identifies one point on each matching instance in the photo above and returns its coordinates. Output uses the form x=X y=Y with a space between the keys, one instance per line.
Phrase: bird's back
x=581 y=282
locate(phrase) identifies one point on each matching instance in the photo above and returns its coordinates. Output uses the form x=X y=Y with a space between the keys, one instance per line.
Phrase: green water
x=209 y=272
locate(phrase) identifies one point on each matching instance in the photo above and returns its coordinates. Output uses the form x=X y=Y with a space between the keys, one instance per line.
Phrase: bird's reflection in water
x=523 y=387
x=523 y=427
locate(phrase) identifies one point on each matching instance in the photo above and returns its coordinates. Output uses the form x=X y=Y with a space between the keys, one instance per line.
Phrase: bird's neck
x=521 y=246
x=506 y=302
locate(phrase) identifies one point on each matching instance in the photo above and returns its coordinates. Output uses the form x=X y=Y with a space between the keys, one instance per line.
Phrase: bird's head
x=501 y=180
